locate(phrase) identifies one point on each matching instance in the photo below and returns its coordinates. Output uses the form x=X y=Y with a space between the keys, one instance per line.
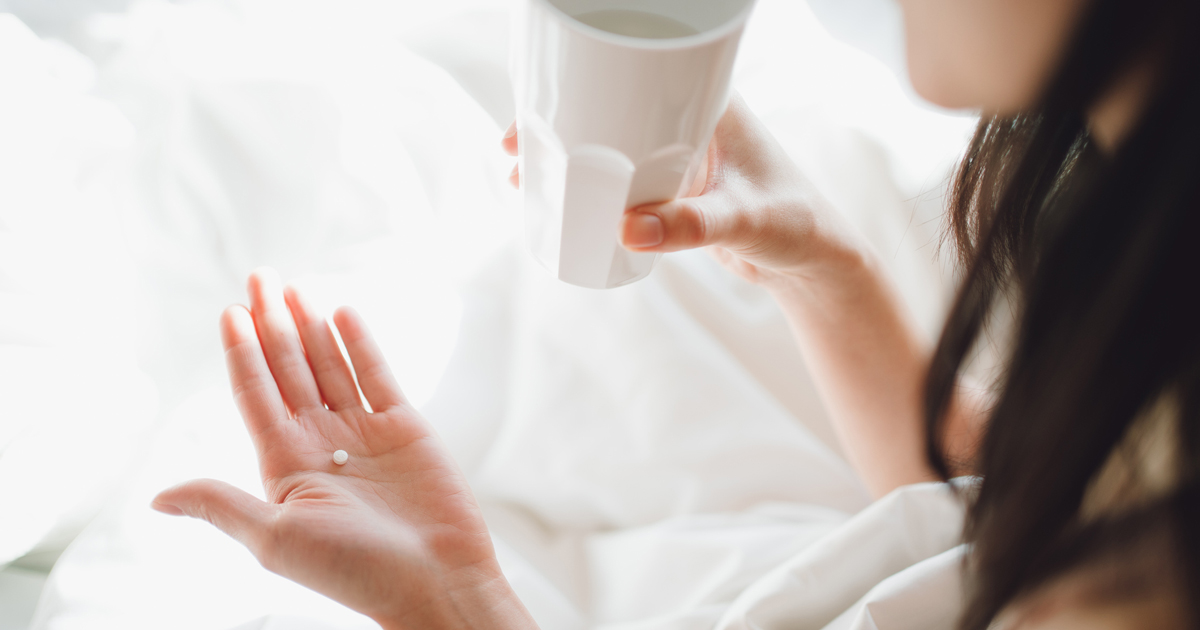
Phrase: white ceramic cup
x=608 y=122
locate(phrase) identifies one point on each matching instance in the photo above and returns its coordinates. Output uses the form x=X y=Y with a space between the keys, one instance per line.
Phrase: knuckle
x=327 y=364
x=703 y=233
x=693 y=226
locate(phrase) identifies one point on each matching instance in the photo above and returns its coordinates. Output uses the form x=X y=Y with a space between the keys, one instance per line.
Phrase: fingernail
x=512 y=131
x=643 y=230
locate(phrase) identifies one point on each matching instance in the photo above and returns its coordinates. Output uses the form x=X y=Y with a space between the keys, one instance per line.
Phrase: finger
x=374 y=376
x=514 y=177
x=235 y=512
x=254 y=388
x=509 y=142
x=676 y=225
x=325 y=358
x=281 y=342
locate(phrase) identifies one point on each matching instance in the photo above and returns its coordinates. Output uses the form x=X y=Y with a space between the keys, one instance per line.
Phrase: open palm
x=395 y=532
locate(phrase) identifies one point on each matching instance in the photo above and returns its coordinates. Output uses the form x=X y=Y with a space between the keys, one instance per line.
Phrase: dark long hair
x=1102 y=253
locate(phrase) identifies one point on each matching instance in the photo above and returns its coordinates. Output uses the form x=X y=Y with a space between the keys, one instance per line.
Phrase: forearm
x=868 y=360
x=770 y=225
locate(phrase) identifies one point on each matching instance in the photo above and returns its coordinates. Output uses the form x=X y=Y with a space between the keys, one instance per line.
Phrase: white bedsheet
x=647 y=457
x=65 y=282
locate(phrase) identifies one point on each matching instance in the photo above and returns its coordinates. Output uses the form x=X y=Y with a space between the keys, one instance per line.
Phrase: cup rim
x=672 y=43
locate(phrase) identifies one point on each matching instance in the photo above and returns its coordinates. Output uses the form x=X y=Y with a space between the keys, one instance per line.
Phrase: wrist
x=474 y=597
x=835 y=265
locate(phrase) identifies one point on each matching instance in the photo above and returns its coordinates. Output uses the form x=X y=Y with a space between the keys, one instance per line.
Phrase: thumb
x=684 y=223
x=233 y=511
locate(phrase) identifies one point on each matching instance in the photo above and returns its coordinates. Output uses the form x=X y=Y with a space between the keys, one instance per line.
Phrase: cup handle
x=598 y=181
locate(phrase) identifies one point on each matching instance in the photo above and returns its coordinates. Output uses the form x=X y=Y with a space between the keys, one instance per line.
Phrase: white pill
x=340 y=457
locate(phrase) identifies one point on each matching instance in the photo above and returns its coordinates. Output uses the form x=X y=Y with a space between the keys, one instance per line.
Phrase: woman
x=1076 y=208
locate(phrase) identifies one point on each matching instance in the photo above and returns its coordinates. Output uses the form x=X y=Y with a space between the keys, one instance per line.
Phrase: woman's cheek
x=939 y=51
x=994 y=55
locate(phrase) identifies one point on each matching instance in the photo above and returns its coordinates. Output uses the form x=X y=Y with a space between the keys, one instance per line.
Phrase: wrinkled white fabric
x=653 y=456
x=74 y=405
x=879 y=556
